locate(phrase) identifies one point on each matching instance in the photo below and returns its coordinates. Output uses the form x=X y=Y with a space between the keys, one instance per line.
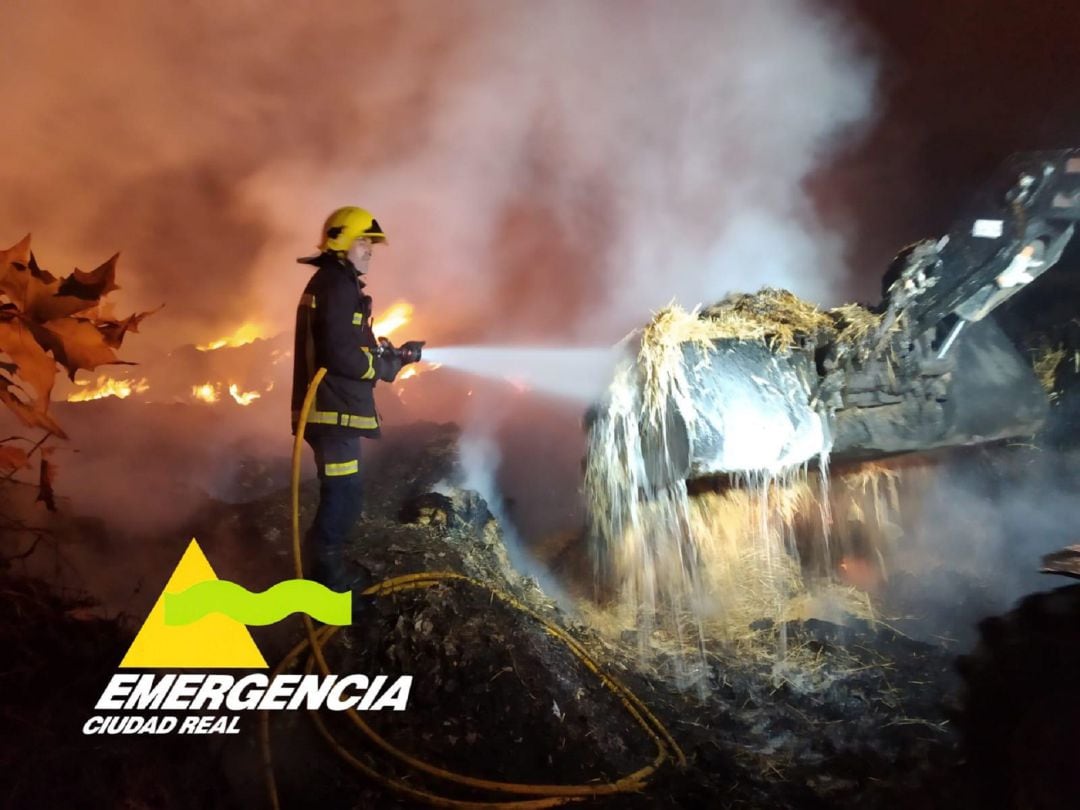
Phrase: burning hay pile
x=497 y=696
x=734 y=390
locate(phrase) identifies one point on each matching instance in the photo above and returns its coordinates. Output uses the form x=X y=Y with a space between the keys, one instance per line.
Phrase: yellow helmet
x=346 y=225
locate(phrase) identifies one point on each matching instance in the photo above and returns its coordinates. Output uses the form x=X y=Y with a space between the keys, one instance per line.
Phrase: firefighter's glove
x=386 y=348
x=410 y=352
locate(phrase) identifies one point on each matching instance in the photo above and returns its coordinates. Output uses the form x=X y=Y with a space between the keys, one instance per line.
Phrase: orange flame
x=248 y=333
x=415 y=369
x=108 y=387
x=411 y=371
x=207 y=392
x=399 y=314
x=243 y=397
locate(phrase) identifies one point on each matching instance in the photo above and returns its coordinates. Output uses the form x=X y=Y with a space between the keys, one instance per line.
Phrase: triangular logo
x=214 y=641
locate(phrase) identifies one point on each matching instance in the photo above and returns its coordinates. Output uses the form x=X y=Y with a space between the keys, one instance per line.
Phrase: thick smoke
x=974 y=530
x=585 y=163
x=546 y=172
x=479 y=456
x=543 y=169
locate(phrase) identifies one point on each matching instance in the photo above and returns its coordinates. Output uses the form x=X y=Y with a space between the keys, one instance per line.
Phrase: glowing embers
x=107 y=387
x=247 y=333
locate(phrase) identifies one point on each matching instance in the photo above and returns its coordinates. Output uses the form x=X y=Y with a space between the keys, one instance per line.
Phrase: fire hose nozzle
x=409 y=352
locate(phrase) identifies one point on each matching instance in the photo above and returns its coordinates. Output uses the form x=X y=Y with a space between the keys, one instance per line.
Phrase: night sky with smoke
x=547 y=172
x=544 y=170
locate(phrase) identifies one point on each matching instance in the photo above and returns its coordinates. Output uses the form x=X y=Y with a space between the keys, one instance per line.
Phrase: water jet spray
x=576 y=373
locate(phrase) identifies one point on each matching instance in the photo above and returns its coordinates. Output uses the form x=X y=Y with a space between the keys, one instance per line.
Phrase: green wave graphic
x=267 y=607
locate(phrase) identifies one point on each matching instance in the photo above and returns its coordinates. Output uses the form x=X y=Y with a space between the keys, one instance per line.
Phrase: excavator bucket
x=761 y=383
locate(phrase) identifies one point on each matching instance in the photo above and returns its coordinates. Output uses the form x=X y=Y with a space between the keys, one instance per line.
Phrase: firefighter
x=333 y=331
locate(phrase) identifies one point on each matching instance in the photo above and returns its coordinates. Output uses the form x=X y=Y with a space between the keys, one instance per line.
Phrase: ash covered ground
x=923 y=707
x=858 y=714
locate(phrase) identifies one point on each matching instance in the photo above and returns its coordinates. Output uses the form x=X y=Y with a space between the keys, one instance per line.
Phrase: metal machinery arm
x=936 y=371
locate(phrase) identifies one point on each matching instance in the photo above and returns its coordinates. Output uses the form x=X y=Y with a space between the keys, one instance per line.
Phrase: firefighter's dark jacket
x=333 y=331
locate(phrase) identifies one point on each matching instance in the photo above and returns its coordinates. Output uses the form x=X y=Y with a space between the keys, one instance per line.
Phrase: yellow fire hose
x=542 y=795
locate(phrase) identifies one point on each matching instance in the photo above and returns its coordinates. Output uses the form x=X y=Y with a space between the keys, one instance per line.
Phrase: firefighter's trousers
x=337 y=455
